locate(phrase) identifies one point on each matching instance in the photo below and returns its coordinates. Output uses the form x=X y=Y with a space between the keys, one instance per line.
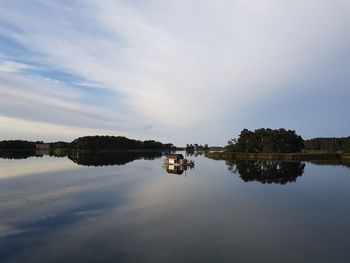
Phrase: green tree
x=266 y=141
x=346 y=147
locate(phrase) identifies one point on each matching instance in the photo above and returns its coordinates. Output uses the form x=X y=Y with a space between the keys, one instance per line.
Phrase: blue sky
x=176 y=71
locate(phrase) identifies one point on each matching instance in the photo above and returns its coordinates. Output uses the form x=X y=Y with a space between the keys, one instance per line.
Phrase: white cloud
x=35 y=108
x=184 y=64
x=7 y=66
x=34 y=130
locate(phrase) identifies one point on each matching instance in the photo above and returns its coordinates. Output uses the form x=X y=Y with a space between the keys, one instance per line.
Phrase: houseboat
x=177 y=160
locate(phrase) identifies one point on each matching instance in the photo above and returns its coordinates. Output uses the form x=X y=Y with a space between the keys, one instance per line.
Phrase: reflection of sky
x=139 y=213
x=10 y=168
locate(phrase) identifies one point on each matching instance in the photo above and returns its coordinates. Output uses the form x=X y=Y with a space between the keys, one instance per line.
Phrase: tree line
x=266 y=141
x=96 y=142
x=328 y=144
x=17 y=145
x=258 y=141
x=196 y=147
x=90 y=143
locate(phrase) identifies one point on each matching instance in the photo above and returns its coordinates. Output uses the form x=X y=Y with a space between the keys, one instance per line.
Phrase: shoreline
x=303 y=156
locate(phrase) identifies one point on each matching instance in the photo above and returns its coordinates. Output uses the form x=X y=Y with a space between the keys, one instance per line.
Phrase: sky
x=184 y=71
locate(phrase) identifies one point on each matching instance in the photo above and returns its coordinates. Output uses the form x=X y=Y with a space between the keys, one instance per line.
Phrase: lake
x=128 y=208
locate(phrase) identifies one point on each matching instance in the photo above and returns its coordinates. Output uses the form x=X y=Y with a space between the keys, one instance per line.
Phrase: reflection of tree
x=189 y=152
x=108 y=158
x=16 y=154
x=277 y=172
x=331 y=162
x=194 y=153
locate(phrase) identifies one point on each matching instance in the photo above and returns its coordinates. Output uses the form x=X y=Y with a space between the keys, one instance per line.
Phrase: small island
x=260 y=144
x=86 y=144
x=282 y=144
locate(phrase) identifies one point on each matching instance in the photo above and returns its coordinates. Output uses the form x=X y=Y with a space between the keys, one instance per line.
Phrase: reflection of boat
x=177 y=160
x=172 y=169
x=176 y=169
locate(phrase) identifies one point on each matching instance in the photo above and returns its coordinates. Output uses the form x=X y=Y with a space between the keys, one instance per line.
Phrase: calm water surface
x=128 y=208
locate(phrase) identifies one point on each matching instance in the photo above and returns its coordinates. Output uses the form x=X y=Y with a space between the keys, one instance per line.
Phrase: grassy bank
x=304 y=156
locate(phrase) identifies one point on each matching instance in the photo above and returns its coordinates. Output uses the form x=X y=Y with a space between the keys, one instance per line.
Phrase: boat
x=177 y=160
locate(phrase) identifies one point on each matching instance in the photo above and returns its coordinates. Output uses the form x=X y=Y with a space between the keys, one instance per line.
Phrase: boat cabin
x=174 y=158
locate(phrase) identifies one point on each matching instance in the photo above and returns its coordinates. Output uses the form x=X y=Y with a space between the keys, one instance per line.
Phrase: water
x=130 y=209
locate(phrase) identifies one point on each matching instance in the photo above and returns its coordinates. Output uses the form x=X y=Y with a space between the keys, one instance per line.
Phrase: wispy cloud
x=29 y=129
x=8 y=66
x=191 y=68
